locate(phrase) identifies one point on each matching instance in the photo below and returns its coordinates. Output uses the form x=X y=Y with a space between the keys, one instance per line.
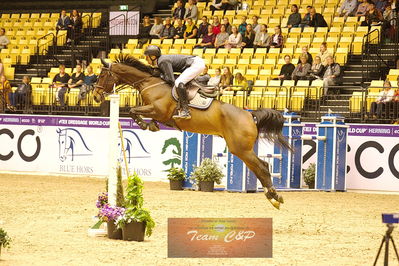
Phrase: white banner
x=124 y=22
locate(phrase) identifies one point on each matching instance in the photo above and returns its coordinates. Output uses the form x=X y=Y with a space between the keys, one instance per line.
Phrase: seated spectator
x=235 y=39
x=240 y=82
x=332 y=74
x=395 y=100
x=89 y=80
x=316 y=70
x=316 y=19
x=168 y=31
x=305 y=51
x=324 y=53
x=306 y=18
x=191 y=11
x=243 y=26
x=4 y=41
x=1 y=68
x=22 y=93
x=220 y=5
x=276 y=40
x=362 y=8
x=255 y=25
x=180 y=29
x=77 y=81
x=286 y=69
x=76 y=24
x=262 y=38
x=5 y=93
x=385 y=97
x=222 y=38
x=203 y=27
x=156 y=28
x=179 y=11
x=373 y=16
x=347 y=8
x=191 y=30
x=294 y=20
x=144 y=31
x=204 y=77
x=216 y=25
x=215 y=80
x=226 y=79
x=381 y=5
x=248 y=38
x=60 y=82
x=227 y=24
x=208 y=40
x=301 y=71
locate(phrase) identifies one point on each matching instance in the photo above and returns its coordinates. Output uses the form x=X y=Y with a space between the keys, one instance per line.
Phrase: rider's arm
x=167 y=71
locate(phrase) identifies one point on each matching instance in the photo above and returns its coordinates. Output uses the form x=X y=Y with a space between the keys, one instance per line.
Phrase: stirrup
x=182 y=115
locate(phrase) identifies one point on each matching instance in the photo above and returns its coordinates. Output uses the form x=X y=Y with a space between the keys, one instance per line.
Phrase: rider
x=189 y=66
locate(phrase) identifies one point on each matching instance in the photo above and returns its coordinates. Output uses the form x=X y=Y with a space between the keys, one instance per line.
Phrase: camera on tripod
x=390 y=219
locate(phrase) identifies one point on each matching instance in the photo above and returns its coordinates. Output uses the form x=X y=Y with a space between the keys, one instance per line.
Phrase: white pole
x=113 y=148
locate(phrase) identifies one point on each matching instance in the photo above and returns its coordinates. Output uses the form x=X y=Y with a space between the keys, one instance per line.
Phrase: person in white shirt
x=235 y=39
x=262 y=38
x=4 y=41
x=255 y=25
x=385 y=97
x=215 y=80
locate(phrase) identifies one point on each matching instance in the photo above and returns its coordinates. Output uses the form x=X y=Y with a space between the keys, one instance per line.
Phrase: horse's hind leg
x=146 y=110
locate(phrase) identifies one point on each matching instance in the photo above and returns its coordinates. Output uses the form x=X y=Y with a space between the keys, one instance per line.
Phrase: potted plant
x=136 y=221
x=309 y=175
x=207 y=174
x=5 y=240
x=176 y=177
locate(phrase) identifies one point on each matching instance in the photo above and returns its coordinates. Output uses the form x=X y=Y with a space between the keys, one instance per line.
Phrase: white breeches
x=192 y=72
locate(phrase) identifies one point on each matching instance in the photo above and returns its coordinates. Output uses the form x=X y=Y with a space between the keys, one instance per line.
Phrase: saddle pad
x=199 y=101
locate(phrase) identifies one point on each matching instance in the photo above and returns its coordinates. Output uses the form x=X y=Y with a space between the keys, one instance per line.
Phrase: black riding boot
x=183 y=112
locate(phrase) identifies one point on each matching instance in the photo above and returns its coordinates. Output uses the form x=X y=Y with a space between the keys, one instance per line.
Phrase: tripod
x=385 y=239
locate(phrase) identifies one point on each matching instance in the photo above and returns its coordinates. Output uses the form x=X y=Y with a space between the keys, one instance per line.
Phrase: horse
x=240 y=128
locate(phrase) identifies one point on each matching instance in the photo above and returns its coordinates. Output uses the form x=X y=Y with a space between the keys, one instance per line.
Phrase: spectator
x=240 y=82
x=22 y=93
x=204 y=77
x=305 y=51
x=227 y=24
x=262 y=38
x=332 y=74
x=4 y=41
x=179 y=11
x=389 y=24
x=248 y=38
x=235 y=39
x=373 y=16
x=64 y=21
x=144 y=31
x=180 y=29
x=60 y=82
x=203 y=27
x=277 y=38
x=216 y=25
x=395 y=100
x=324 y=53
x=1 y=68
x=316 y=71
x=362 y=8
x=5 y=93
x=156 y=28
x=191 y=11
x=191 y=30
x=77 y=81
x=215 y=81
x=316 y=19
x=208 y=40
x=302 y=69
x=168 y=31
x=255 y=25
x=226 y=80
x=381 y=5
x=294 y=20
x=385 y=97
x=76 y=24
x=220 y=5
x=347 y=8
x=89 y=80
x=287 y=69
x=306 y=18
x=243 y=26
x=222 y=38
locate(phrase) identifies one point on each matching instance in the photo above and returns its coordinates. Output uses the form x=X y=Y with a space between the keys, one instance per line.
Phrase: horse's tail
x=270 y=125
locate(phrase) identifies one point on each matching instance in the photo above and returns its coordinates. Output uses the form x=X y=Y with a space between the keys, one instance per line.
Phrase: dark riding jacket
x=168 y=64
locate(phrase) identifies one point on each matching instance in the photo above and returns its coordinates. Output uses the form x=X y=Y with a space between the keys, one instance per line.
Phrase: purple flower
x=110 y=213
x=102 y=200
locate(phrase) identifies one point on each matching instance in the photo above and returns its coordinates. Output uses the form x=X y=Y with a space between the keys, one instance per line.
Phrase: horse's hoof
x=275 y=203
x=280 y=199
x=143 y=125
x=153 y=127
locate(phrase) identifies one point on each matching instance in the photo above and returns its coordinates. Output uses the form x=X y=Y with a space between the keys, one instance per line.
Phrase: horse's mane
x=129 y=60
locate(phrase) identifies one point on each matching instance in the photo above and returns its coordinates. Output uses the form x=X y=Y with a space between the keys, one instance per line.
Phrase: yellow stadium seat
x=376 y=86
x=297 y=100
x=321 y=32
x=227 y=97
x=295 y=33
x=308 y=32
x=281 y=100
x=315 y=89
x=239 y=99
x=341 y=55
x=357 y=45
x=393 y=74
x=255 y=100
x=356 y=101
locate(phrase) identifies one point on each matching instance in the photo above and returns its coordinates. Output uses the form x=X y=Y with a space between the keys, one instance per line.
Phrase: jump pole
x=113 y=148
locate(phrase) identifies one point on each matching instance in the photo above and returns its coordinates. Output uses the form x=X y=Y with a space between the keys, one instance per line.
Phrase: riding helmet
x=153 y=50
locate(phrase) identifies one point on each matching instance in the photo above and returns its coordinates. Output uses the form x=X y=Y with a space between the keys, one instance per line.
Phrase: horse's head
x=62 y=144
x=105 y=82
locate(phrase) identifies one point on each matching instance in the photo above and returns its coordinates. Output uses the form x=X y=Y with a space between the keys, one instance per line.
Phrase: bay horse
x=239 y=128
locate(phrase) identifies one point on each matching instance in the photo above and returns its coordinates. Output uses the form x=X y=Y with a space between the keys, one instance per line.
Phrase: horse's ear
x=58 y=130
x=105 y=64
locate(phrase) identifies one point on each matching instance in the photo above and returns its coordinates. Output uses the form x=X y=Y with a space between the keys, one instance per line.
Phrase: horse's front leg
x=147 y=111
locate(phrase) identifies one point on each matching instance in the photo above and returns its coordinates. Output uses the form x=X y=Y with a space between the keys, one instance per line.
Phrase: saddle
x=199 y=96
